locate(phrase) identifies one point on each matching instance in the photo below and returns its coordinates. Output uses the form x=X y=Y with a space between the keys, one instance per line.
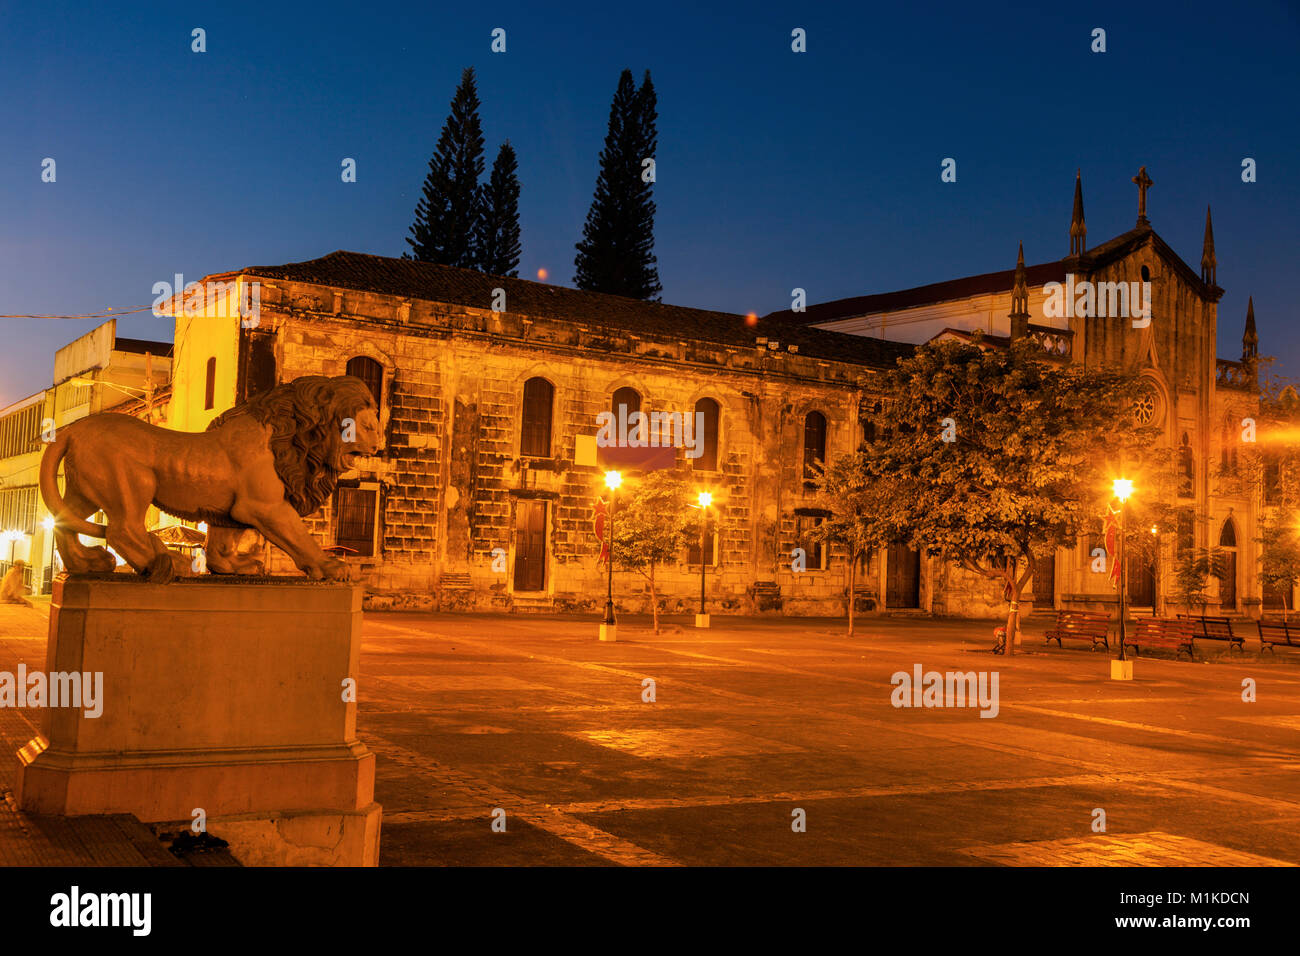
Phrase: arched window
x=814 y=447
x=370 y=372
x=210 y=386
x=1186 y=468
x=535 y=435
x=708 y=415
x=1228 y=583
x=623 y=404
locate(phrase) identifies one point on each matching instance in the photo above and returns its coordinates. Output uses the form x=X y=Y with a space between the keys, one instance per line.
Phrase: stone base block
x=229 y=696
x=609 y=632
x=1121 y=670
x=701 y=620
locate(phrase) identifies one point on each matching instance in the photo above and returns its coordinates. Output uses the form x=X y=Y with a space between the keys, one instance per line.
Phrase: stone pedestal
x=701 y=620
x=609 y=632
x=224 y=696
x=1121 y=670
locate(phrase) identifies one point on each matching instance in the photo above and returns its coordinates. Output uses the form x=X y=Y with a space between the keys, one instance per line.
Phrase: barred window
x=814 y=548
x=535 y=436
x=708 y=416
x=354 y=519
x=814 y=448
x=18 y=509
x=370 y=372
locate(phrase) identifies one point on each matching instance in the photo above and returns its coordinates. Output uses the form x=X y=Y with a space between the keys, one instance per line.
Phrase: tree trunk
x=853 y=569
x=654 y=599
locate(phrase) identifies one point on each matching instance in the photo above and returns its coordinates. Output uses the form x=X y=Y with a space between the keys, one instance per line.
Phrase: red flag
x=1112 y=538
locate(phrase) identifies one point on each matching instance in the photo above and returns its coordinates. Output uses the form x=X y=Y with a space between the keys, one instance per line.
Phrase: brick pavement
x=755 y=720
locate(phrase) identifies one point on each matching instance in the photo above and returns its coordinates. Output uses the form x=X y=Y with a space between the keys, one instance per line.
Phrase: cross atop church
x=1143 y=184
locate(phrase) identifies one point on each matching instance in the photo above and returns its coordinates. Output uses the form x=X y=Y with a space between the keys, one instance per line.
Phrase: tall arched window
x=1187 y=469
x=1228 y=584
x=210 y=385
x=708 y=417
x=1229 y=447
x=814 y=447
x=370 y=372
x=623 y=403
x=535 y=434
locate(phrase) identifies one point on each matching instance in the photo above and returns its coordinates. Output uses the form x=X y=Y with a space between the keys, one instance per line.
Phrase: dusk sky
x=774 y=169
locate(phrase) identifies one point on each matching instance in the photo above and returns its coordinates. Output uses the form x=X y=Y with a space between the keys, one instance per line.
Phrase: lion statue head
x=320 y=428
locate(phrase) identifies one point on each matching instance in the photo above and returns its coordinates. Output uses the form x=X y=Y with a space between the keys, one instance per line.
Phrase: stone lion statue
x=263 y=465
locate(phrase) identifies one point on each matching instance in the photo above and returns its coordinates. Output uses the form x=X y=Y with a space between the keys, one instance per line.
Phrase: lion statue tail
x=50 y=462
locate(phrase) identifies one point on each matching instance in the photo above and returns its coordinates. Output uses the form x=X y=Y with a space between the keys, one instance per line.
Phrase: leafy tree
x=862 y=514
x=650 y=526
x=616 y=254
x=1279 y=560
x=447 y=216
x=498 y=236
x=996 y=456
x=1192 y=572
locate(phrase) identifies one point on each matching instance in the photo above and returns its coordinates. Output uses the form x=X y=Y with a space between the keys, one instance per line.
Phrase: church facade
x=491 y=392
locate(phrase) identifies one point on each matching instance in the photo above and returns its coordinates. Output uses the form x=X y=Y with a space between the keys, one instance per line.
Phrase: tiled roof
x=990 y=283
x=407 y=278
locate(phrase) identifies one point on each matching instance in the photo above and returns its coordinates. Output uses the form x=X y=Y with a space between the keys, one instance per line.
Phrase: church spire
x=1208 y=262
x=1019 y=314
x=1250 y=340
x=1078 y=231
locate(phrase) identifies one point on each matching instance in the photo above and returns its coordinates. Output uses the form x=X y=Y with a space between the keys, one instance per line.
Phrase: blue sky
x=774 y=169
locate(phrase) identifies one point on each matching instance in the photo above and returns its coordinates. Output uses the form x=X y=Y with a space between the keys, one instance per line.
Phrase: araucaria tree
x=995 y=456
x=616 y=254
x=498 y=235
x=650 y=526
x=447 y=218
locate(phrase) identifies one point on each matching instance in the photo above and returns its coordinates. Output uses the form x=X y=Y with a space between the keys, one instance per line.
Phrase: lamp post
x=609 y=628
x=705 y=499
x=1122 y=488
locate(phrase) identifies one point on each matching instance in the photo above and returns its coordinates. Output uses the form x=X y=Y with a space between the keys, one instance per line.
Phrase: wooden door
x=1045 y=582
x=530 y=545
x=1141 y=582
x=1228 y=586
x=902 y=577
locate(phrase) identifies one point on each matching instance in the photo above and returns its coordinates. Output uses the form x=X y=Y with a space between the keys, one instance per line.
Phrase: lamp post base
x=701 y=620
x=609 y=632
x=1121 y=670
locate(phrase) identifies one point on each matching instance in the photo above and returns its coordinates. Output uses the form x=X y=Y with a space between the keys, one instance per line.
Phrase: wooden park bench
x=1162 y=632
x=1205 y=627
x=1278 y=632
x=1091 y=625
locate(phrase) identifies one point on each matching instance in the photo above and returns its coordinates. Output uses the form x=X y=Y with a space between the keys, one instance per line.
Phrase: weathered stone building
x=489 y=390
x=483 y=412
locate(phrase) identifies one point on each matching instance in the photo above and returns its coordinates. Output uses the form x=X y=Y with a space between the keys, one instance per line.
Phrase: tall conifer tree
x=447 y=218
x=498 y=241
x=616 y=254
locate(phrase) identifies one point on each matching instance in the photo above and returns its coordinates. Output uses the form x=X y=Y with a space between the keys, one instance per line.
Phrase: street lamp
x=1122 y=488
x=609 y=629
x=705 y=499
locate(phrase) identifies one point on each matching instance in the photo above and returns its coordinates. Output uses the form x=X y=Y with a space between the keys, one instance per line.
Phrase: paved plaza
x=755 y=719
x=475 y=716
